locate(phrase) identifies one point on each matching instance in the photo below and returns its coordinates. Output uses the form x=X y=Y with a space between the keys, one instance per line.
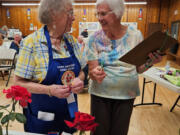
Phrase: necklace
x=59 y=37
x=56 y=44
x=55 y=37
x=55 y=47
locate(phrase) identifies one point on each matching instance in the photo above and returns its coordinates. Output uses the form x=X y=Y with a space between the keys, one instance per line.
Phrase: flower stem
x=82 y=133
x=7 y=128
x=12 y=109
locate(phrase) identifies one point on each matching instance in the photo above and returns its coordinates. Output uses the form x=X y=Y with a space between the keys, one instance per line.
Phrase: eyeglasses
x=102 y=14
x=70 y=13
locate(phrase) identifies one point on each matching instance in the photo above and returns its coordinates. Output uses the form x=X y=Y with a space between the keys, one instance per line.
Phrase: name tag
x=64 y=133
x=46 y=116
x=71 y=98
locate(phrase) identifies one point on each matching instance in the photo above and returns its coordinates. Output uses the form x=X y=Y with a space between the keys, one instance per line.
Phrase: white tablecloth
x=153 y=75
x=6 y=44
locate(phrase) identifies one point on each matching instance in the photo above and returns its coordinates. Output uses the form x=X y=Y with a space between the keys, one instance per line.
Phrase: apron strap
x=48 y=42
x=69 y=46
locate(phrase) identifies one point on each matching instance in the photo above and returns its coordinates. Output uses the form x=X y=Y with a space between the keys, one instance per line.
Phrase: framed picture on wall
x=175 y=26
x=91 y=26
x=7 y=13
x=132 y=24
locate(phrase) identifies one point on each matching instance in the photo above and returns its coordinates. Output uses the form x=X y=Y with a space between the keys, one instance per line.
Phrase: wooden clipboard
x=157 y=41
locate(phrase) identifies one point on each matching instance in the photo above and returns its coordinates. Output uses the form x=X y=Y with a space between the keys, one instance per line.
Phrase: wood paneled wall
x=132 y=13
x=164 y=13
x=155 y=12
x=19 y=19
x=90 y=17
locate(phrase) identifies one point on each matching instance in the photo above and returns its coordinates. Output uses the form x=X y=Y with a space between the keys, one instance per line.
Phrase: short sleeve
x=25 y=63
x=91 y=52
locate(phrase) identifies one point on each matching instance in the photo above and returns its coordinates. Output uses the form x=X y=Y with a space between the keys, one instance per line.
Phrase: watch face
x=67 y=77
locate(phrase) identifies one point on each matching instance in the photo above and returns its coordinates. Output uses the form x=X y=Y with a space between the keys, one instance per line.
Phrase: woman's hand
x=77 y=85
x=17 y=43
x=60 y=91
x=98 y=74
x=154 y=58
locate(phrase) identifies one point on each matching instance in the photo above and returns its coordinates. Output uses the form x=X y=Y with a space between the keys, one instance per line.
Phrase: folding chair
x=2 y=75
x=7 y=58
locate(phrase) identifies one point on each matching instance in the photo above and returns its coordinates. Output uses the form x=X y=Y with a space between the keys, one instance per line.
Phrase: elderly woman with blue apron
x=49 y=66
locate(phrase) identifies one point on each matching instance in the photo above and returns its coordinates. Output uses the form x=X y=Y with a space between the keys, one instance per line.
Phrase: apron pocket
x=36 y=125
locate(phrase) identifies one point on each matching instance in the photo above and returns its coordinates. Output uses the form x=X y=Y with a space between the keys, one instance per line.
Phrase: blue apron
x=44 y=103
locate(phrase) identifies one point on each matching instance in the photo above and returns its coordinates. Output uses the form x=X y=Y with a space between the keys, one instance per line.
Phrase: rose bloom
x=83 y=122
x=19 y=94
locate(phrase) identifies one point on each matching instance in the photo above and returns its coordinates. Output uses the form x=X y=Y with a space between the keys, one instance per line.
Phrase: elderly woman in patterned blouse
x=114 y=84
x=49 y=66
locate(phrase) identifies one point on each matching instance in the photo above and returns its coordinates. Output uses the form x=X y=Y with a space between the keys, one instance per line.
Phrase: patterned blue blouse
x=121 y=81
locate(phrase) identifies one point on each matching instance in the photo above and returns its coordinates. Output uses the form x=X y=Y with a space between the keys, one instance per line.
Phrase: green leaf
x=12 y=116
x=5 y=119
x=20 y=117
x=1 y=133
x=6 y=106
x=1 y=114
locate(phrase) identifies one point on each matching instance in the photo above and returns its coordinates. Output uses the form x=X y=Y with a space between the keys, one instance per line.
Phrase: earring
x=54 y=26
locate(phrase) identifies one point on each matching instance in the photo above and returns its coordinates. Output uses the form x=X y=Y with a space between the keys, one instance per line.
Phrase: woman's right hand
x=98 y=74
x=60 y=91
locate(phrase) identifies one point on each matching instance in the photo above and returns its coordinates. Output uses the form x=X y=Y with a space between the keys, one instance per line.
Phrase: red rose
x=83 y=122
x=19 y=94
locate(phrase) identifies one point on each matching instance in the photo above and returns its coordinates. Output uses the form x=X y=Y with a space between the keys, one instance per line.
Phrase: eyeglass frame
x=103 y=14
x=70 y=13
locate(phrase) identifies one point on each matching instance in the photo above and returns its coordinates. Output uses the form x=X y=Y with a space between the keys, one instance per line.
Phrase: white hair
x=18 y=33
x=4 y=27
x=117 y=6
x=48 y=8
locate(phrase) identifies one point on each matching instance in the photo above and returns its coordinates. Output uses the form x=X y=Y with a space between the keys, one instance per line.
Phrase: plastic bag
x=173 y=79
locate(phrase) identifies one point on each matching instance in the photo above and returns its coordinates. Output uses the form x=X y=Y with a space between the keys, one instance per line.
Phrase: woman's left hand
x=77 y=85
x=155 y=57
